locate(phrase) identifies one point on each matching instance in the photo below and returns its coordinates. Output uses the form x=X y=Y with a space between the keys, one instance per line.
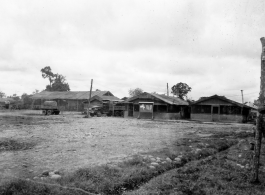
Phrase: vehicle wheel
x=99 y=114
x=122 y=114
x=44 y=112
x=49 y=112
x=117 y=113
x=109 y=113
x=57 y=112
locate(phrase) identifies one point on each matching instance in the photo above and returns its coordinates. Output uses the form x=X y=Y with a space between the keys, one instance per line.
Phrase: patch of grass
x=10 y=144
x=215 y=175
x=22 y=187
x=196 y=177
x=232 y=134
x=111 y=180
x=131 y=174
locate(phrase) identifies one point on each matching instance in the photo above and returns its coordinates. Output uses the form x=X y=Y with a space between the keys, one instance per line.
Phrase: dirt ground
x=68 y=141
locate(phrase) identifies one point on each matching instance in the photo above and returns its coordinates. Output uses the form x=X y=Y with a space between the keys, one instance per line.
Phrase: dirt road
x=67 y=142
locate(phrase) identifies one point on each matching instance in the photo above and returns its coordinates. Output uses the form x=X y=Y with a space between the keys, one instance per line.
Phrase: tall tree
x=57 y=81
x=15 y=97
x=59 y=84
x=35 y=91
x=2 y=94
x=47 y=73
x=181 y=90
x=135 y=92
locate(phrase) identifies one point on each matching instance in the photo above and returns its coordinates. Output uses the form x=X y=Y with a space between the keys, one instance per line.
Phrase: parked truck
x=49 y=108
x=115 y=109
x=109 y=108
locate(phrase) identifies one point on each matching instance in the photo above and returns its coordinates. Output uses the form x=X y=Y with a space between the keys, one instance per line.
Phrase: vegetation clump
x=10 y=144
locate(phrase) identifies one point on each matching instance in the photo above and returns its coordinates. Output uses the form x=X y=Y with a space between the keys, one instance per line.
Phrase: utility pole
x=242 y=96
x=88 y=114
x=167 y=90
x=260 y=122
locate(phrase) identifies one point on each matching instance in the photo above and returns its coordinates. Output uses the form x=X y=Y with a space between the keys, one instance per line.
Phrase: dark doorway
x=215 y=110
x=130 y=110
x=215 y=113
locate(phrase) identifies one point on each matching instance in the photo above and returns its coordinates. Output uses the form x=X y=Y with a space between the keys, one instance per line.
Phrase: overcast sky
x=211 y=45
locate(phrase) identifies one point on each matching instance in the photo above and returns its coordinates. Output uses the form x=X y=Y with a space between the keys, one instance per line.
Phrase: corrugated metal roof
x=69 y=95
x=167 y=99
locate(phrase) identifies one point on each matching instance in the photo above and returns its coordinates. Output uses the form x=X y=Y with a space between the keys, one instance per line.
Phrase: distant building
x=155 y=106
x=73 y=100
x=6 y=102
x=219 y=108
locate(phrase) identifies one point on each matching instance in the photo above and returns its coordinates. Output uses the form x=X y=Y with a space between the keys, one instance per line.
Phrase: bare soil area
x=68 y=141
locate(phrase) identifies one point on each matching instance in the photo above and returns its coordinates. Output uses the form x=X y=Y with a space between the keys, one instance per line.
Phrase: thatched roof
x=3 y=100
x=221 y=98
x=103 y=98
x=167 y=99
x=72 y=95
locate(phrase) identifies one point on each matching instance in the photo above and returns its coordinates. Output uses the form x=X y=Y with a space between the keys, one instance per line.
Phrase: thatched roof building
x=219 y=108
x=156 y=106
x=74 y=100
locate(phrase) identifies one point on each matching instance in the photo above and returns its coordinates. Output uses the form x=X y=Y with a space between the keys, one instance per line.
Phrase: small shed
x=156 y=106
x=219 y=109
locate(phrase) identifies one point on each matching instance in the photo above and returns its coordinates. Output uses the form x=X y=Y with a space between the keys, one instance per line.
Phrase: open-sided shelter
x=73 y=100
x=219 y=108
x=155 y=106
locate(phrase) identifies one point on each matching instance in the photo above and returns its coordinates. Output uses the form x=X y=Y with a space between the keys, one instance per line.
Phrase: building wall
x=222 y=117
x=201 y=117
x=167 y=116
x=126 y=114
x=157 y=115
x=135 y=114
x=232 y=118
x=72 y=105
x=146 y=115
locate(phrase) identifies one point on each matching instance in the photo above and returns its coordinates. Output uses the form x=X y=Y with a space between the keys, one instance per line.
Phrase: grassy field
x=191 y=159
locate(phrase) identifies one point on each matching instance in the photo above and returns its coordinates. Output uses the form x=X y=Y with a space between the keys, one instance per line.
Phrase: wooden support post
x=153 y=111
x=256 y=158
x=88 y=114
x=32 y=104
x=112 y=104
x=260 y=121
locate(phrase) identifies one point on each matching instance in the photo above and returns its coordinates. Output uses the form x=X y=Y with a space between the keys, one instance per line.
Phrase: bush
x=10 y=144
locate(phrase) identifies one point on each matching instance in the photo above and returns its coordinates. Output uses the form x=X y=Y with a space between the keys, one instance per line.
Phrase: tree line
x=57 y=82
x=180 y=90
